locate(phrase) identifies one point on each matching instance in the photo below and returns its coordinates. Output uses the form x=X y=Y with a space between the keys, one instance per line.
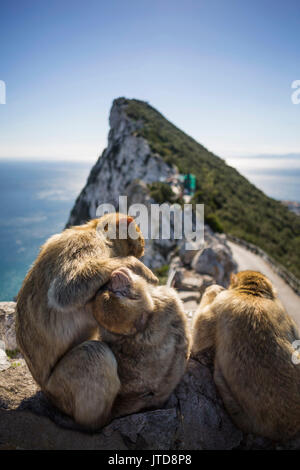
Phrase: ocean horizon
x=36 y=198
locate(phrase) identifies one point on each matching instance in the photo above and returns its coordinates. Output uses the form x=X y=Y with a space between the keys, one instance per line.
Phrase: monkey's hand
x=140 y=269
x=210 y=294
x=75 y=286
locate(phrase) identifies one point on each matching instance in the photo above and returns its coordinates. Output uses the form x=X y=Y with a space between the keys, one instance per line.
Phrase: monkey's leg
x=239 y=417
x=78 y=282
x=204 y=330
x=84 y=384
x=204 y=325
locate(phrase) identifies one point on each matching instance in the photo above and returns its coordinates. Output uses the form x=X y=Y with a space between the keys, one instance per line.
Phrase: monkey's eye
x=119 y=293
x=133 y=296
x=105 y=228
x=126 y=293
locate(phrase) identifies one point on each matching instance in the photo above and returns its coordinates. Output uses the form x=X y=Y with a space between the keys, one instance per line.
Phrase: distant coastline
x=277 y=177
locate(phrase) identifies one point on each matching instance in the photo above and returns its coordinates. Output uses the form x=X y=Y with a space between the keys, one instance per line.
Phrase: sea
x=35 y=201
x=277 y=176
x=36 y=198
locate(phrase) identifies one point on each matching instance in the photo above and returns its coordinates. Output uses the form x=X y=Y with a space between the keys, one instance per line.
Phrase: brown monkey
x=145 y=328
x=55 y=327
x=252 y=337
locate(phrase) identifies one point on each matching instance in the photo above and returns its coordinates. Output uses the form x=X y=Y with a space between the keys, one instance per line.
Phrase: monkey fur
x=145 y=327
x=251 y=336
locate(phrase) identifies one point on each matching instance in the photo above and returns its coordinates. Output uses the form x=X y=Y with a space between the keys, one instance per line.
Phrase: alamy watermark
x=2 y=92
x=295 y=97
x=164 y=222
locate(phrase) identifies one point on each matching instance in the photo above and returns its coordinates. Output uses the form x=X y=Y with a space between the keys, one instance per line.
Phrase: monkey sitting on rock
x=145 y=328
x=251 y=336
x=55 y=327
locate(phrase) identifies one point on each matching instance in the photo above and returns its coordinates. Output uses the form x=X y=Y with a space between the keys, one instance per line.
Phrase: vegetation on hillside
x=232 y=203
x=161 y=192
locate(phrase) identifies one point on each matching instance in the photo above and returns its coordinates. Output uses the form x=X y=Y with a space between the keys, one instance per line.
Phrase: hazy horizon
x=277 y=176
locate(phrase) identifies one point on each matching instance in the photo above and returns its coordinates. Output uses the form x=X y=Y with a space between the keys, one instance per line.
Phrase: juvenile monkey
x=56 y=330
x=252 y=335
x=145 y=328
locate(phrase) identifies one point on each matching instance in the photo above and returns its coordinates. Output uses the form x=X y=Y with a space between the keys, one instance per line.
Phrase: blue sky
x=220 y=70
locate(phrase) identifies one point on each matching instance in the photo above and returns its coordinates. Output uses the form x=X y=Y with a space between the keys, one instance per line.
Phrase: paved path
x=248 y=260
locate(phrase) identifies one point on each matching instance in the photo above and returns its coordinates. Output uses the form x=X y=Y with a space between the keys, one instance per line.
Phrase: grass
x=162 y=273
x=12 y=353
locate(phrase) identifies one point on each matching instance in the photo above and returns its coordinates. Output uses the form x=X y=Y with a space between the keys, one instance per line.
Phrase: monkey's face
x=122 y=234
x=252 y=282
x=125 y=303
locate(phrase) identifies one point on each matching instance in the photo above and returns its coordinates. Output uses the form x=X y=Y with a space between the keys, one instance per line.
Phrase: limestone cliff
x=126 y=167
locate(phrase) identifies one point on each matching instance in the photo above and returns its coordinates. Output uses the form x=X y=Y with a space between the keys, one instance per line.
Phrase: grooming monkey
x=252 y=336
x=145 y=328
x=56 y=330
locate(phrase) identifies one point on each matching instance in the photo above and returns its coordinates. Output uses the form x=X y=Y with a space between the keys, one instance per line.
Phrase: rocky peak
x=126 y=167
x=127 y=157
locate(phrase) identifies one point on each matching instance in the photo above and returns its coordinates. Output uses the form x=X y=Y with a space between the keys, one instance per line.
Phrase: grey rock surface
x=7 y=325
x=215 y=260
x=4 y=361
x=193 y=418
x=188 y=279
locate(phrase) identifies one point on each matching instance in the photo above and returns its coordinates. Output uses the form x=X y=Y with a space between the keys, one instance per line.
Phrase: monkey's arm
x=77 y=283
x=139 y=268
x=204 y=330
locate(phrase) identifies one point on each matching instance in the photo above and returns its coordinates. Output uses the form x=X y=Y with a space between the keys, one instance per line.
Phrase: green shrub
x=162 y=273
x=161 y=192
x=214 y=223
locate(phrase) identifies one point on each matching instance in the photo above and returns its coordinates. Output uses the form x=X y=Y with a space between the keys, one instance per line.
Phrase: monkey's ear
x=233 y=280
x=123 y=218
x=120 y=279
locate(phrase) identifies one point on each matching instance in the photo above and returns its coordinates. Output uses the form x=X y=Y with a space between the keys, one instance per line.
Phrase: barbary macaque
x=56 y=330
x=251 y=337
x=145 y=328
